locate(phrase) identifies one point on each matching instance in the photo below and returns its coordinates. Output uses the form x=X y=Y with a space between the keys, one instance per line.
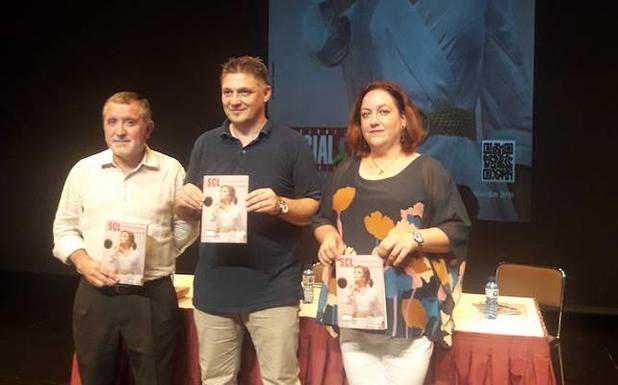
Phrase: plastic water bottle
x=308 y=279
x=491 y=298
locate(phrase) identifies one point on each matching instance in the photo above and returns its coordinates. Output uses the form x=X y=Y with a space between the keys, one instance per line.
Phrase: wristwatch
x=283 y=207
x=418 y=238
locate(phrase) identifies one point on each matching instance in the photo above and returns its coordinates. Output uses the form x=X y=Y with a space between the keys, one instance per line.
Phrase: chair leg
x=560 y=363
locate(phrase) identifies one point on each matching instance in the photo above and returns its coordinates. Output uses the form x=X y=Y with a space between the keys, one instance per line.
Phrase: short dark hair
x=126 y=97
x=414 y=131
x=246 y=64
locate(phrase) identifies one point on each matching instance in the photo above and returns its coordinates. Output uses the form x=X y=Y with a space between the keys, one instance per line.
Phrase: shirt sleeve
x=447 y=211
x=67 y=235
x=184 y=232
x=194 y=173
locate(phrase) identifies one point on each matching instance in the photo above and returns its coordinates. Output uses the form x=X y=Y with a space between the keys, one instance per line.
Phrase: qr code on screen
x=498 y=161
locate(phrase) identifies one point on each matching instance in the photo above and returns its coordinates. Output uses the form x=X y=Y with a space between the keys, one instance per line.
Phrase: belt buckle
x=122 y=289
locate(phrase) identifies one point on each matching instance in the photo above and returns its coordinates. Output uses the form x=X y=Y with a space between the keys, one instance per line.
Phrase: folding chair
x=546 y=284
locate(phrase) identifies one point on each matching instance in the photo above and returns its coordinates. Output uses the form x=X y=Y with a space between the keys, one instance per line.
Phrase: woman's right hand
x=332 y=247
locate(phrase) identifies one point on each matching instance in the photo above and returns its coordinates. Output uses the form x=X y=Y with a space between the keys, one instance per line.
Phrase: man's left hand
x=263 y=200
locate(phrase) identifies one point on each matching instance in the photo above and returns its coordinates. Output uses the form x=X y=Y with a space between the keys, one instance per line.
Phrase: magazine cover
x=124 y=250
x=224 y=215
x=361 y=298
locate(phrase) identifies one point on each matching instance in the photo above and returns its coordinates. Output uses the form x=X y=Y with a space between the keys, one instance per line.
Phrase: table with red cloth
x=477 y=358
x=512 y=349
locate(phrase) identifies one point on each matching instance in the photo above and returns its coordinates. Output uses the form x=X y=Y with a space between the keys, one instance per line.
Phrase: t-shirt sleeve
x=447 y=210
x=326 y=215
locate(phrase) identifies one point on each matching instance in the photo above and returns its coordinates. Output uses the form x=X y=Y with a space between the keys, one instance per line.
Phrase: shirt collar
x=149 y=160
x=226 y=133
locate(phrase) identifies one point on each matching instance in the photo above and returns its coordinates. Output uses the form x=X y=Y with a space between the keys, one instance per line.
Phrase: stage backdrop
x=62 y=60
x=466 y=64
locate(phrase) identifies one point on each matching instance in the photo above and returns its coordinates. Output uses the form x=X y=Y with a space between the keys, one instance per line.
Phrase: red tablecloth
x=476 y=359
x=491 y=359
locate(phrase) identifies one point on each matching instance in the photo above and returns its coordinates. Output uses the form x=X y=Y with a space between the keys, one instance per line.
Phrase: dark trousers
x=145 y=323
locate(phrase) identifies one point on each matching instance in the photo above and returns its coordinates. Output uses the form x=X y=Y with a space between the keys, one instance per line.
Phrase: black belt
x=450 y=121
x=121 y=289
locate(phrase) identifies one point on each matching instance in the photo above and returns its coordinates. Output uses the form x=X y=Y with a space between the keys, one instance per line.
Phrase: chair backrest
x=546 y=284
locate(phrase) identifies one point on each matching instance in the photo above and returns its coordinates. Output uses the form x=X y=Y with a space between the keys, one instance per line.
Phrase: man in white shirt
x=127 y=182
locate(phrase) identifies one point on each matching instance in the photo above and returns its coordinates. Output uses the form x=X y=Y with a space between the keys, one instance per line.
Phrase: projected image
x=466 y=64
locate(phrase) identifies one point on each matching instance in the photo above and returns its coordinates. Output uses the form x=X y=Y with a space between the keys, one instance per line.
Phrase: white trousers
x=377 y=359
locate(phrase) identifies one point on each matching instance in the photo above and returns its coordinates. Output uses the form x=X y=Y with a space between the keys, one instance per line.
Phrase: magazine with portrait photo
x=224 y=214
x=361 y=299
x=124 y=250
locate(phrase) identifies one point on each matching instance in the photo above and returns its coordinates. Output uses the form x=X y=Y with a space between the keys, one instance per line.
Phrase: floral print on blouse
x=422 y=292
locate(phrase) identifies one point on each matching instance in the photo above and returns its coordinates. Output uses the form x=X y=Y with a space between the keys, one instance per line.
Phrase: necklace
x=384 y=167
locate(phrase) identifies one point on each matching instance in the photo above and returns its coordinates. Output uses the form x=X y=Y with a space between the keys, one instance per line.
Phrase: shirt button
x=244 y=151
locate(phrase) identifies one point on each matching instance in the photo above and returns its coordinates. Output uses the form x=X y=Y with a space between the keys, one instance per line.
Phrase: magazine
x=361 y=299
x=224 y=215
x=124 y=250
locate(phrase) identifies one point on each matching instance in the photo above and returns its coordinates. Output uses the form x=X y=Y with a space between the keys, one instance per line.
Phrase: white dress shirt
x=96 y=190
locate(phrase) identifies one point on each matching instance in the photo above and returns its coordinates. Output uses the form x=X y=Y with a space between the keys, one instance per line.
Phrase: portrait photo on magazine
x=224 y=214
